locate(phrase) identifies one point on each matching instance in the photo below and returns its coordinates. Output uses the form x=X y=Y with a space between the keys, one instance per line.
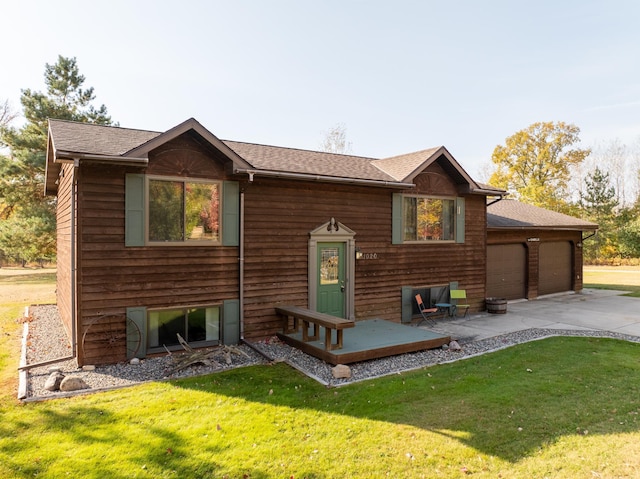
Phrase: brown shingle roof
x=96 y=139
x=112 y=142
x=275 y=158
x=88 y=138
x=512 y=214
x=401 y=166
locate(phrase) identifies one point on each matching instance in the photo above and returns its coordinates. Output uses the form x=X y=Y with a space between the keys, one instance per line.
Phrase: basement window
x=198 y=326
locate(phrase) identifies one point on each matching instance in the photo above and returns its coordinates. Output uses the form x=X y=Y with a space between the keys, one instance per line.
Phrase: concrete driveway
x=592 y=309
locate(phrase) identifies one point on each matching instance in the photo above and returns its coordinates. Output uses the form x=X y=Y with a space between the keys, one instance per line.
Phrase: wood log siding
x=279 y=216
x=112 y=277
x=64 y=247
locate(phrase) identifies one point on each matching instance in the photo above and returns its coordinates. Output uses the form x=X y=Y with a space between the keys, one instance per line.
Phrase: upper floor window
x=183 y=210
x=428 y=219
x=180 y=211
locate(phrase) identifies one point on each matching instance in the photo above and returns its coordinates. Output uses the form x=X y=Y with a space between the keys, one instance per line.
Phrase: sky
x=399 y=75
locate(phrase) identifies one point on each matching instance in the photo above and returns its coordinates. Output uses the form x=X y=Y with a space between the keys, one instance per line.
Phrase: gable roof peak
x=190 y=124
x=406 y=167
x=425 y=151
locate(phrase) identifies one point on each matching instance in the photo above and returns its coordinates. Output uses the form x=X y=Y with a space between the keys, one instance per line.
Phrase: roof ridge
x=292 y=148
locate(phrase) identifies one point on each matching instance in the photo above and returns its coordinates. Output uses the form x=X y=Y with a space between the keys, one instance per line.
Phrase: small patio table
x=444 y=308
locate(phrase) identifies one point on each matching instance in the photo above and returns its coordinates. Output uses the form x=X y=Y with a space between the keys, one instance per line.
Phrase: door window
x=329 y=271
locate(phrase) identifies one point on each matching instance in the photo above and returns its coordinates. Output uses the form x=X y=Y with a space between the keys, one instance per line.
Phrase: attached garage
x=506 y=271
x=532 y=251
x=556 y=265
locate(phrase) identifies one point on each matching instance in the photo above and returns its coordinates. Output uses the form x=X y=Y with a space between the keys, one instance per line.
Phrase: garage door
x=506 y=271
x=555 y=267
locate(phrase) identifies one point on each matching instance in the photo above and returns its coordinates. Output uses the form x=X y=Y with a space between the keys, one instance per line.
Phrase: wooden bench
x=307 y=317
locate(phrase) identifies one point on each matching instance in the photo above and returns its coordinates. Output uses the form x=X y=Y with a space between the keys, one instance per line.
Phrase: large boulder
x=73 y=383
x=341 y=371
x=53 y=381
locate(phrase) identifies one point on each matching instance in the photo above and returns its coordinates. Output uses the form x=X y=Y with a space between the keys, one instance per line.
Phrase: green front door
x=331 y=279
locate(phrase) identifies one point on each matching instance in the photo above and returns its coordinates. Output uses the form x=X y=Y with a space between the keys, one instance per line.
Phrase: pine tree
x=598 y=203
x=22 y=201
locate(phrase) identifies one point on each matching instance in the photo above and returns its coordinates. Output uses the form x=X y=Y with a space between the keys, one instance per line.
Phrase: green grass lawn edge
x=514 y=411
x=558 y=407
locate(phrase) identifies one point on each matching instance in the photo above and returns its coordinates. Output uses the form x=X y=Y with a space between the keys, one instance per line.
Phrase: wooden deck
x=370 y=339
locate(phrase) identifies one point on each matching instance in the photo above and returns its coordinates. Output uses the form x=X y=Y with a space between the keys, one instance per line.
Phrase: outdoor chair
x=456 y=295
x=427 y=313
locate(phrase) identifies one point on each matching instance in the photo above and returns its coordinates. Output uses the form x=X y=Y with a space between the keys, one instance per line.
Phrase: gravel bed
x=47 y=340
x=321 y=371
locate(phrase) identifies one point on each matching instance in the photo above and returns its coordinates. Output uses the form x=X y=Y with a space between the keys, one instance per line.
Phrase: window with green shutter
x=424 y=219
x=181 y=211
x=198 y=326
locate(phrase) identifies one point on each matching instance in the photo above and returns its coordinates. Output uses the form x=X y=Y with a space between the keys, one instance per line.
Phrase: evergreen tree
x=629 y=239
x=598 y=203
x=22 y=201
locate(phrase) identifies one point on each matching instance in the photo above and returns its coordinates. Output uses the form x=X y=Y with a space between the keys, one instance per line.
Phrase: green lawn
x=625 y=278
x=19 y=287
x=557 y=408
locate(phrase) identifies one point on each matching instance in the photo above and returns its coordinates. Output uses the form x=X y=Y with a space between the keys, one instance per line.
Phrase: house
x=532 y=251
x=180 y=232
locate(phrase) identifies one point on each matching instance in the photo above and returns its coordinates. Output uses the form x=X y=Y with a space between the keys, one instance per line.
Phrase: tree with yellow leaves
x=534 y=165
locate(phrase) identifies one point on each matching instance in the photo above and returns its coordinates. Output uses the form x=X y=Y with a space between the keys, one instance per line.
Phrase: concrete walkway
x=592 y=309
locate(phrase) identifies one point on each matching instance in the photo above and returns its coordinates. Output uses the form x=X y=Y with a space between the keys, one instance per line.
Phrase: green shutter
x=407 y=304
x=459 y=220
x=231 y=213
x=134 y=210
x=139 y=316
x=231 y=321
x=396 y=219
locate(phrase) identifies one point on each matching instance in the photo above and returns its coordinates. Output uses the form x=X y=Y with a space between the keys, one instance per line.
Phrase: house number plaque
x=369 y=255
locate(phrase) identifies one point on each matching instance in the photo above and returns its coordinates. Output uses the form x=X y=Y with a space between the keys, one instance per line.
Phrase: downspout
x=74 y=249
x=241 y=266
x=241 y=277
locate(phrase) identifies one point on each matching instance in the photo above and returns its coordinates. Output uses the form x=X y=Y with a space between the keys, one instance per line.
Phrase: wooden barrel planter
x=496 y=305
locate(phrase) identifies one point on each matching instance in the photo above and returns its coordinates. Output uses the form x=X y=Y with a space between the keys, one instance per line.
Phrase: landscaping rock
x=71 y=383
x=455 y=346
x=341 y=371
x=53 y=381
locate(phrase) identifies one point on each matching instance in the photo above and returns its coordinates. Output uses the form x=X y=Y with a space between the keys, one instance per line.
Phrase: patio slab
x=591 y=309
